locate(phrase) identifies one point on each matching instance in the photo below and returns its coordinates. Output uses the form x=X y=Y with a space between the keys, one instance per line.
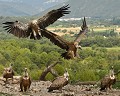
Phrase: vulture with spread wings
x=33 y=28
x=70 y=47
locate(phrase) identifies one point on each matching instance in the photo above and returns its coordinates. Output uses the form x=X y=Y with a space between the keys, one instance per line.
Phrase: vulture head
x=112 y=76
x=25 y=74
x=66 y=74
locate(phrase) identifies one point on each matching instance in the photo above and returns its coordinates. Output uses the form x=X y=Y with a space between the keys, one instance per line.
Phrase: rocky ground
x=39 y=88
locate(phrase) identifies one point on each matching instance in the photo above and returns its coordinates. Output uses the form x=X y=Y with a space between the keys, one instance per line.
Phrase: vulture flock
x=36 y=29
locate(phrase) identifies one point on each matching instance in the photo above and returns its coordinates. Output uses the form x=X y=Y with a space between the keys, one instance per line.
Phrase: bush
x=35 y=74
x=1 y=69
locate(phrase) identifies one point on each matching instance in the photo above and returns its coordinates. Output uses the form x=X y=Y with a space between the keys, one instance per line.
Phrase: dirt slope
x=39 y=88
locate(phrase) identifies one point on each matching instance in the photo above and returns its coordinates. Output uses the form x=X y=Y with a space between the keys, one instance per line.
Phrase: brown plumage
x=32 y=29
x=70 y=47
x=59 y=82
x=25 y=81
x=8 y=73
x=108 y=81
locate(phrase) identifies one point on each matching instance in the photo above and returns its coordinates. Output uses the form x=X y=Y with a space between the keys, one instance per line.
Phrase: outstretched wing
x=52 y=16
x=82 y=32
x=18 y=29
x=57 y=40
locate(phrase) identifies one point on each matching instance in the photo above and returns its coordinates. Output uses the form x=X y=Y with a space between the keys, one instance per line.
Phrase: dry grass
x=60 y=33
x=77 y=29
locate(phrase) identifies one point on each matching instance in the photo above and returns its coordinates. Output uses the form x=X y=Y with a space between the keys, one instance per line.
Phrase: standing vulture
x=25 y=81
x=8 y=73
x=59 y=82
x=70 y=47
x=33 y=28
x=108 y=81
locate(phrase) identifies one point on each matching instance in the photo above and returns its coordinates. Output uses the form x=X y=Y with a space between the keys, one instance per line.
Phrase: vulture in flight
x=108 y=81
x=70 y=47
x=25 y=81
x=59 y=82
x=33 y=28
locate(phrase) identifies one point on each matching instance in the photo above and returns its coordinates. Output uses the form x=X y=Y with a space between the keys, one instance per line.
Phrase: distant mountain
x=94 y=8
x=25 y=7
x=79 y=8
x=14 y=9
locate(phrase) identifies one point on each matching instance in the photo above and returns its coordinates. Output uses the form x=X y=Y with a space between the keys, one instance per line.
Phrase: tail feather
x=49 y=89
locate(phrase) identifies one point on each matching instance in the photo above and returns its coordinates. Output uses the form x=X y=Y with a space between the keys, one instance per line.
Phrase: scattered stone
x=39 y=88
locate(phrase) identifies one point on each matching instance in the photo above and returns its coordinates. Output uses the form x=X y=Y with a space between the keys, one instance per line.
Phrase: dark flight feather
x=32 y=29
x=57 y=40
x=83 y=31
x=61 y=42
x=52 y=16
x=70 y=47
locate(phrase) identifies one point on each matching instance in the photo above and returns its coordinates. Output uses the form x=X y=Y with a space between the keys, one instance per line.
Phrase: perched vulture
x=25 y=81
x=32 y=29
x=70 y=47
x=108 y=81
x=59 y=82
x=8 y=73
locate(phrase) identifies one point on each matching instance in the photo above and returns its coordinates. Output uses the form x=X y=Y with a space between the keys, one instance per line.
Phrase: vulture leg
x=25 y=88
x=38 y=37
x=6 y=80
x=35 y=35
x=29 y=84
x=110 y=87
x=21 y=87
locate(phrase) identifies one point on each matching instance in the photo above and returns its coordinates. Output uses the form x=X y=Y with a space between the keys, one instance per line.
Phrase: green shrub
x=35 y=74
x=1 y=69
x=49 y=77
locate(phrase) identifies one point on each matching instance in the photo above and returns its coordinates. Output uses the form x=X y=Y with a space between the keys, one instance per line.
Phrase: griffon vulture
x=70 y=47
x=32 y=29
x=25 y=81
x=8 y=73
x=108 y=81
x=59 y=82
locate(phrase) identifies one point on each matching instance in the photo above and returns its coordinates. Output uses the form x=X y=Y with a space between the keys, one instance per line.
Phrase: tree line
x=36 y=55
